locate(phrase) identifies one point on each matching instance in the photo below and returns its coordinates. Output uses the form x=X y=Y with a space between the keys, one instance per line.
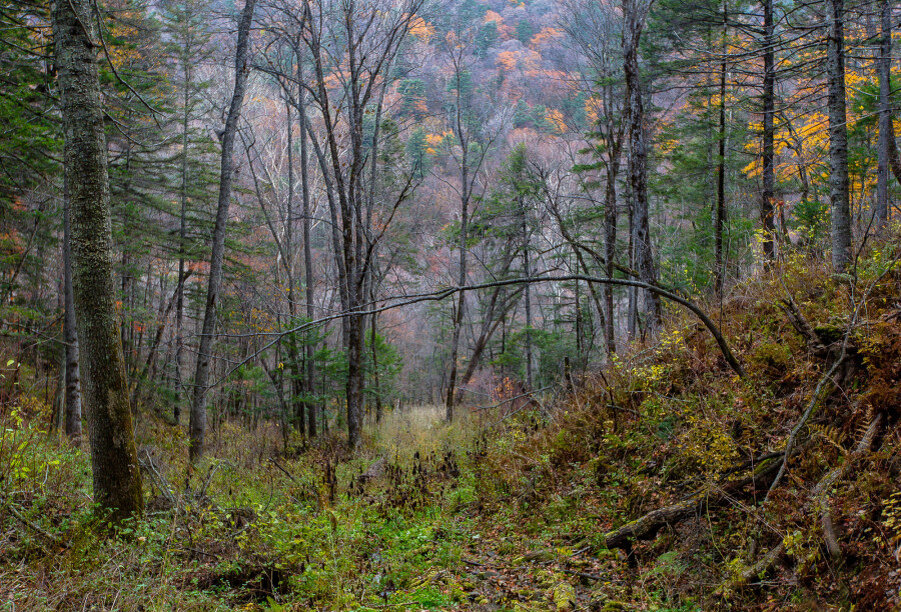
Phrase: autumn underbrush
x=674 y=462
x=256 y=525
x=664 y=481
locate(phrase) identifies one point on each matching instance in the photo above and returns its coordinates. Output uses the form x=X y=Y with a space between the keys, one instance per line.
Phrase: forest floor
x=648 y=486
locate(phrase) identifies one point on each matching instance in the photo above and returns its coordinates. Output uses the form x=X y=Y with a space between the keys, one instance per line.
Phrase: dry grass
x=422 y=429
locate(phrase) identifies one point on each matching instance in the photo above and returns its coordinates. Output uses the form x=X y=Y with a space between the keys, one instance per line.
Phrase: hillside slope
x=649 y=486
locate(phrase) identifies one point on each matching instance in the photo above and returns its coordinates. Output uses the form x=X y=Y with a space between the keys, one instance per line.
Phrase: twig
x=200 y=552
x=160 y=480
x=501 y=403
x=814 y=401
x=581 y=575
x=820 y=498
x=283 y=470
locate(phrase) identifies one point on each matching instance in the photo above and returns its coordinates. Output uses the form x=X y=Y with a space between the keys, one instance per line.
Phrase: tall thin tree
x=635 y=13
x=886 y=131
x=839 y=193
x=767 y=194
x=197 y=425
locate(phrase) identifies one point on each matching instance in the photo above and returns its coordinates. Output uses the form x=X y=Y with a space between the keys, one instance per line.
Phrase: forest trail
x=498 y=564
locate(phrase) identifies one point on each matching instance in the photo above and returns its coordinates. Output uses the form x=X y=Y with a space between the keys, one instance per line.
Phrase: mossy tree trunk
x=886 y=131
x=635 y=13
x=117 y=478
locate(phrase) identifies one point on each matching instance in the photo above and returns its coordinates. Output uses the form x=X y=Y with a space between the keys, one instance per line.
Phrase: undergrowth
x=507 y=510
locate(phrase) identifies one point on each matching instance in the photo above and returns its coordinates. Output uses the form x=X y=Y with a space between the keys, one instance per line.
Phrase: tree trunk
x=720 y=217
x=375 y=369
x=610 y=222
x=114 y=463
x=527 y=270
x=298 y=406
x=883 y=68
x=197 y=425
x=634 y=16
x=309 y=373
x=839 y=196
x=182 y=232
x=70 y=335
x=461 y=280
x=59 y=395
x=769 y=91
x=632 y=318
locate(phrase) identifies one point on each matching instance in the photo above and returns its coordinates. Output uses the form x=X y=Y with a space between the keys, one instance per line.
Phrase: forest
x=488 y=305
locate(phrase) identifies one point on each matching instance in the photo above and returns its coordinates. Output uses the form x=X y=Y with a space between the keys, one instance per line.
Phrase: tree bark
x=450 y=397
x=634 y=16
x=839 y=195
x=114 y=463
x=720 y=217
x=298 y=406
x=309 y=372
x=72 y=383
x=182 y=233
x=886 y=132
x=610 y=222
x=197 y=425
x=767 y=196
x=527 y=298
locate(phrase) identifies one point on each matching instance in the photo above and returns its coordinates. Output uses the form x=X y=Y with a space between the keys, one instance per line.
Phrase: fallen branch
x=820 y=491
x=157 y=478
x=820 y=393
x=203 y=553
x=372 y=308
x=514 y=398
x=758 y=569
x=828 y=378
x=646 y=527
x=284 y=471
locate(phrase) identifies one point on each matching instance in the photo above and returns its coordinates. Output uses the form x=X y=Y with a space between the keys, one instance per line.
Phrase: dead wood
x=821 y=499
x=647 y=526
